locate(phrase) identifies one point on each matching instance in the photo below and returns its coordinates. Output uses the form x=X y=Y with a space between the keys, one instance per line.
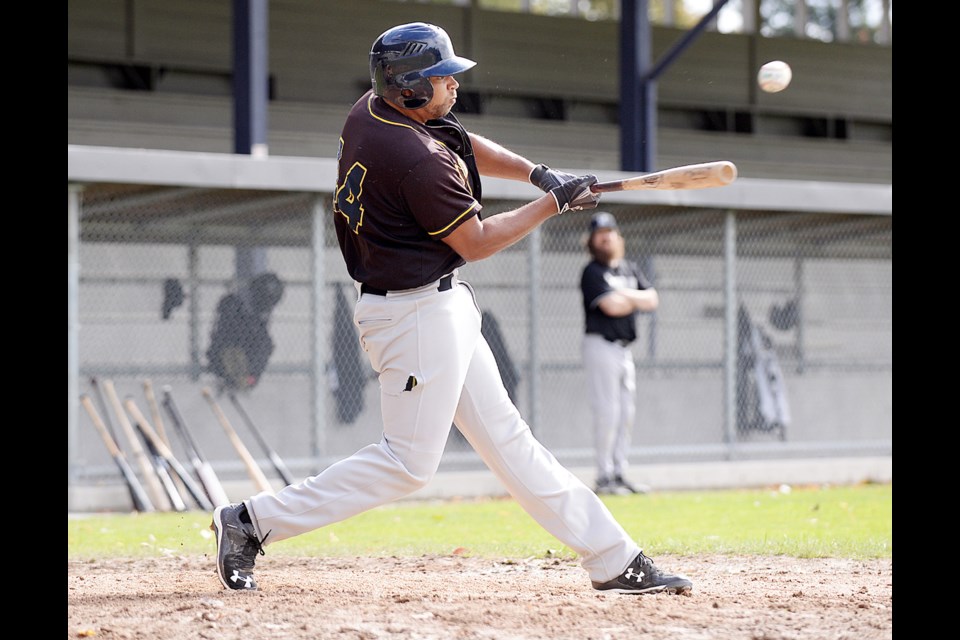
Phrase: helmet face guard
x=404 y=58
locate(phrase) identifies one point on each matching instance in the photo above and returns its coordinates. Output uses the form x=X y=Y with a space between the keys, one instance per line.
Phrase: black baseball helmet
x=403 y=59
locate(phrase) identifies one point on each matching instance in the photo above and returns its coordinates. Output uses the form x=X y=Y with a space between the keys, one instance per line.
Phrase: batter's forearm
x=497 y=161
x=477 y=239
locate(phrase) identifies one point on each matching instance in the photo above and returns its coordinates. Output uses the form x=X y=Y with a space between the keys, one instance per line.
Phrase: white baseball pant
x=433 y=337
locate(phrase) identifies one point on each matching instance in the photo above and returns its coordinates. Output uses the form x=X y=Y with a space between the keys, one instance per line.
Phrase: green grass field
x=843 y=522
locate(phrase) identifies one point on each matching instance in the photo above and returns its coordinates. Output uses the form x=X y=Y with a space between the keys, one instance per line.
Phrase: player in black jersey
x=407 y=211
x=614 y=292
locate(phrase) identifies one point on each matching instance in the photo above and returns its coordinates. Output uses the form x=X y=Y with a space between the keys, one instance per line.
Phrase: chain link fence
x=773 y=337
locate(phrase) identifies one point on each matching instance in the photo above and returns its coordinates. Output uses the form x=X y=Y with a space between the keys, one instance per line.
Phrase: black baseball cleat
x=608 y=487
x=632 y=488
x=237 y=546
x=642 y=576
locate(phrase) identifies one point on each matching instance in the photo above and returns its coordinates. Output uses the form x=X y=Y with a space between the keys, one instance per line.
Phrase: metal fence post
x=535 y=257
x=730 y=328
x=318 y=358
x=73 y=327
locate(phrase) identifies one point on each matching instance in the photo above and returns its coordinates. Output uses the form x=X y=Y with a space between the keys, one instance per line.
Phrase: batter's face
x=444 y=97
x=607 y=245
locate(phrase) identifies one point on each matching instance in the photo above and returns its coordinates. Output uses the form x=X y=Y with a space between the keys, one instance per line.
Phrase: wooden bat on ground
x=688 y=176
x=196 y=492
x=275 y=458
x=141 y=501
x=256 y=473
x=152 y=483
x=201 y=466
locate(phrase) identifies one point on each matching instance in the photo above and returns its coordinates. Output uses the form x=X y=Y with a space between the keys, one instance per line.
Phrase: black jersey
x=599 y=279
x=402 y=186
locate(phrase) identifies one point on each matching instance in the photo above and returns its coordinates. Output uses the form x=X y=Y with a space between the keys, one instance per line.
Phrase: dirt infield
x=453 y=597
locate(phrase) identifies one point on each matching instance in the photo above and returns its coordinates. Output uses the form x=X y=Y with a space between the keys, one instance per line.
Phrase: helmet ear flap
x=414 y=93
x=406 y=90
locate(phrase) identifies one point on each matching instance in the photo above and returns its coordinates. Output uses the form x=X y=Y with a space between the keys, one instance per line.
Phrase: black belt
x=619 y=341
x=445 y=284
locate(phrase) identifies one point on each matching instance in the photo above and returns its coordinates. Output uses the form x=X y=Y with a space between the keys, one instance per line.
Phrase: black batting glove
x=547 y=178
x=575 y=194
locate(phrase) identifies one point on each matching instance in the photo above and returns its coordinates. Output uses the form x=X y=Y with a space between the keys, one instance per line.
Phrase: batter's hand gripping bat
x=688 y=176
x=141 y=501
x=253 y=469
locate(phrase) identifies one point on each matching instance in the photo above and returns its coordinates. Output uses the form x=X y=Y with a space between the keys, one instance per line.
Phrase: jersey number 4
x=347 y=200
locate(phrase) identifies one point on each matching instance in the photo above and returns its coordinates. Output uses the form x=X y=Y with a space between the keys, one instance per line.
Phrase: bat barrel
x=728 y=172
x=692 y=176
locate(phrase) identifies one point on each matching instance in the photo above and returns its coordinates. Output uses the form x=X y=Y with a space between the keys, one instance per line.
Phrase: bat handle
x=605 y=187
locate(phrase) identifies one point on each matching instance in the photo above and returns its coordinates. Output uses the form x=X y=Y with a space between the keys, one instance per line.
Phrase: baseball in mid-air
x=774 y=76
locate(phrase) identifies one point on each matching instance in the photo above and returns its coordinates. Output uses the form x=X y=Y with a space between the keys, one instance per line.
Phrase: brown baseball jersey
x=402 y=186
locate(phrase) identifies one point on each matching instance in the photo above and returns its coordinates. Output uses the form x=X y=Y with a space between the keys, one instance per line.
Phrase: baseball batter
x=407 y=211
x=614 y=291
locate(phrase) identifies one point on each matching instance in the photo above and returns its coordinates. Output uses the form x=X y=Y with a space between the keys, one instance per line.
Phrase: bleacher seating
x=157 y=74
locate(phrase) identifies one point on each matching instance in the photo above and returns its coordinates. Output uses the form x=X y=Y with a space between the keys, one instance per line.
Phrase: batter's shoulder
x=392 y=133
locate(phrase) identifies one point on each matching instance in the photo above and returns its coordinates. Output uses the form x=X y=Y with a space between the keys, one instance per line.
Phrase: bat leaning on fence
x=141 y=501
x=155 y=414
x=196 y=491
x=275 y=458
x=253 y=469
x=161 y=430
x=150 y=479
x=162 y=467
x=104 y=412
x=201 y=466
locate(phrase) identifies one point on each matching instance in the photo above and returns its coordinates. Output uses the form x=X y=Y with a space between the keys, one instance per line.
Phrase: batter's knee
x=423 y=469
x=417 y=470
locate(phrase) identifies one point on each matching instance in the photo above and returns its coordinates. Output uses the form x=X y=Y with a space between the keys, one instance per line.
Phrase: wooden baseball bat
x=196 y=492
x=201 y=466
x=141 y=501
x=688 y=176
x=256 y=473
x=155 y=411
x=150 y=479
x=104 y=412
x=162 y=467
x=275 y=458
x=157 y=418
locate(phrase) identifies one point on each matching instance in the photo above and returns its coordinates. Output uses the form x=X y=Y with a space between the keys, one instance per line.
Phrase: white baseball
x=774 y=76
